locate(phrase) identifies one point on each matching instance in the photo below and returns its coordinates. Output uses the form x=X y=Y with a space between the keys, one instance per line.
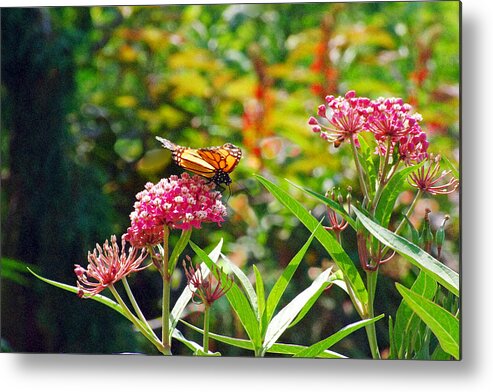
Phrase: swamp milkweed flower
x=178 y=202
x=107 y=265
x=428 y=178
x=392 y=124
x=342 y=119
x=204 y=291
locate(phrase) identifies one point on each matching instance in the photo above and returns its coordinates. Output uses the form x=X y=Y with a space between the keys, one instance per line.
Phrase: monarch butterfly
x=214 y=163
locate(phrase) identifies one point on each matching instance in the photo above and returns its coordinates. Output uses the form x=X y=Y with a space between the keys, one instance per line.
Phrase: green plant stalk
x=383 y=178
x=371 y=279
x=143 y=328
x=361 y=175
x=205 y=342
x=134 y=303
x=166 y=274
x=409 y=211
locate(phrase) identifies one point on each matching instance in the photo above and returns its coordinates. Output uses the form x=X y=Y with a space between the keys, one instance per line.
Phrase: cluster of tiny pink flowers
x=342 y=118
x=178 y=202
x=390 y=120
x=392 y=123
x=106 y=266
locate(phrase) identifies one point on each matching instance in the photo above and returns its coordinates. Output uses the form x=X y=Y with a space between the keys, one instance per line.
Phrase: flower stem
x=371 y=279
x=206 y=328
x=133 y=301
x=143 y=328
x=166 y=274
x=359 y=168
x=409 y=211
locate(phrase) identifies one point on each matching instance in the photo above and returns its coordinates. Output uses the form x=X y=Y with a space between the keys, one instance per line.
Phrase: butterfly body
x=214 y=163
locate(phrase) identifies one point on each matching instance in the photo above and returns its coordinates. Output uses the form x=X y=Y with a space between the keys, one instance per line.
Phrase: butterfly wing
x=214 y=163
x=224 y=158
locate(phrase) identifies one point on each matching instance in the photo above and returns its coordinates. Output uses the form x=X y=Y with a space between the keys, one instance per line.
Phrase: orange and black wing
x=224 y=158
x=214 y=163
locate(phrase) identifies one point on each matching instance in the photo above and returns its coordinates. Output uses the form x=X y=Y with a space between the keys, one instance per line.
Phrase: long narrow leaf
x=331 y=203
x=245 y=283
x=283 y=319
x=424 y=261
x=334 y=278
x=406 y=326
x=277 y=348
x=260 y=290
x=390 y=194
x=283 y=281
x=73 y=289
x=449 y=165
x=187 y=293
x=337 y=253
x=237 y=300
x=179 y=248
x=442 y=323
x=317 y=348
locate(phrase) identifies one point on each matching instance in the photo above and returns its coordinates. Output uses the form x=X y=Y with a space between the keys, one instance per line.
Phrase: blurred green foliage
x=203 y=75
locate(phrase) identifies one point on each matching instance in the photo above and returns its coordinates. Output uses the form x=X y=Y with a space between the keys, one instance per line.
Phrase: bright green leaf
x=336 y=251
x=317 y=348
x=427 y=263
x=286 y=315
x=442 y=323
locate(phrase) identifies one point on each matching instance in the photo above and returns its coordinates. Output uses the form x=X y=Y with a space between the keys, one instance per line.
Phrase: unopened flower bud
x=440 y=235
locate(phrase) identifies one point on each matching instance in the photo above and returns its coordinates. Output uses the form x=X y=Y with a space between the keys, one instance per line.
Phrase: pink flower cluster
x=178 y=202
x=342 y=118
x=106 y=266
x=392 y=123
x=390 y=120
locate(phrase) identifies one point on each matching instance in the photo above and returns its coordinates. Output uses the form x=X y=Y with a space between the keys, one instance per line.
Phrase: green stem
x=166 y=274
x=206 y=328
x=143 y=328
x=409 y=211
x=133 y=301
x=359 y=168
x=371 y=279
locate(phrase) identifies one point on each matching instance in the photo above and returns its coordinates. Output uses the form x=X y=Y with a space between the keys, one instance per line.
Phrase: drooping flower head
x=106 y=266
x=428 y=178
x=342 y=118
x=178 y=202
x=203 y=289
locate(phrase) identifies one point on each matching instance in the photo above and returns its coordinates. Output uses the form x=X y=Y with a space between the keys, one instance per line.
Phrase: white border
x=473 y=373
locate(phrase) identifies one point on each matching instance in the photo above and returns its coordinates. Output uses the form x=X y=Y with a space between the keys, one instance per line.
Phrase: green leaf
x=390 y=194
x=315 y=349
x=14 y=270
x=283 y=319
x=283 y=281
x=194 y=347
x=259 y=287
x=331 y=203
x=334 y=278
x=277 y=348
x=187 y=293
x=245 y=283
x=392 y=348
x=406 y=326
x=237 y=300
x=335 y=250
x=73 y=289
x=442 y=323
x=424 y=261
x=178 y=249
x=450 y=166
x=367 y=161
